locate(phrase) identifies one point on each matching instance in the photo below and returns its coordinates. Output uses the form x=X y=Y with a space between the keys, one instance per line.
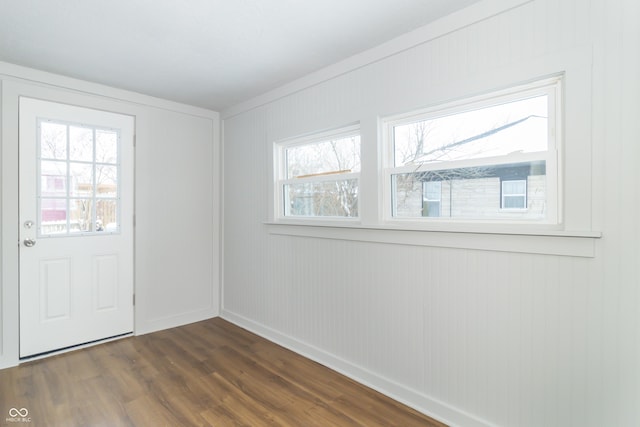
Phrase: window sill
x=526 y=240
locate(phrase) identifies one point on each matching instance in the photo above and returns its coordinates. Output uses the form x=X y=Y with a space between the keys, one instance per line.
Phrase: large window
x=488 y=158
x=318 y=176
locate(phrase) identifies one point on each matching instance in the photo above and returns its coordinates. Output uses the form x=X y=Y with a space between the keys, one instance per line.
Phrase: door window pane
x=107 y=216
x=53 y=141
x=106 y=181
x=81 y=175
x=81 y=143
x=53 y=216
x=81 y=215
x=53 y=179
x=106 y=146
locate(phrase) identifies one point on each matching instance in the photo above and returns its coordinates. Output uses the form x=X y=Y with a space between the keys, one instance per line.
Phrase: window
x=432 y=193
x=318 y=176
x=488 y=158
x=78 y=179
x=514 y=194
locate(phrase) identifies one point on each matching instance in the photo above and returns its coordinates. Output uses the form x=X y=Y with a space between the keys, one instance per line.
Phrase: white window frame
x=281 y=180
x=552 y=87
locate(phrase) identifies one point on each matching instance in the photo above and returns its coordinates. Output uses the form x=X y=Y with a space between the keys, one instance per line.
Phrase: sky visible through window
x=519 y=126
x=336 y=155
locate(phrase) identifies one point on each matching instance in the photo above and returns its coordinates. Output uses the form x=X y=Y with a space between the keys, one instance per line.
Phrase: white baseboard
x=429 y=406
x=144 y=326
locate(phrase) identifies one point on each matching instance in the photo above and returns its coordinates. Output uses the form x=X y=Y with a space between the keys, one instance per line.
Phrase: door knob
x=29 y=242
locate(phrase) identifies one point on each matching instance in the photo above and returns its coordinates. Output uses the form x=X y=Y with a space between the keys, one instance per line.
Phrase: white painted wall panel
x=175 y=169
x=473 y=337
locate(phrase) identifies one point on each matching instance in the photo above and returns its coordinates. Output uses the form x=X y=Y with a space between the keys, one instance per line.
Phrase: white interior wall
x=470 y=336
x=176 y=201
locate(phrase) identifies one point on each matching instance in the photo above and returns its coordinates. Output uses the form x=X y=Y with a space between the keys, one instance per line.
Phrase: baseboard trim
x=427 y=405
x=144 y=326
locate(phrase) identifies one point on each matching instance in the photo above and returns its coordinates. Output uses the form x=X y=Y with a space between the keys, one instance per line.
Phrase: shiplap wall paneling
x=473 y=337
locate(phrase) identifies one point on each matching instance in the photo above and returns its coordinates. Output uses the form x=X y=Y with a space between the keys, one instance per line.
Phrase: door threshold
x=70 y=348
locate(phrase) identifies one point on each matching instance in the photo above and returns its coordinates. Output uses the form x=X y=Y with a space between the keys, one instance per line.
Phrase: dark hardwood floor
x=210 y=373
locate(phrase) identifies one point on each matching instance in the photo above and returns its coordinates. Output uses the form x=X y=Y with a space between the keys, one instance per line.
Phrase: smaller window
x=318 y=176
x=514 y=194
x=432 y=196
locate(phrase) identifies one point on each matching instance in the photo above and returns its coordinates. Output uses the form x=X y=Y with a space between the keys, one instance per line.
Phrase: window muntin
x=471 y=149
x=319 y=176
x=78 y=190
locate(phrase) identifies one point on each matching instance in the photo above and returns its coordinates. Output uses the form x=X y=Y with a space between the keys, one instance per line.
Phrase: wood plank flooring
x=210 y=373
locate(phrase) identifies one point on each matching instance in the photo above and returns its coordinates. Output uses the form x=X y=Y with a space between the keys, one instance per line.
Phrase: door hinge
x=134 y=299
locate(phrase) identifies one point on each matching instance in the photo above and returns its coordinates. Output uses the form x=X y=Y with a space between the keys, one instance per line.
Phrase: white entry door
x=76 y=225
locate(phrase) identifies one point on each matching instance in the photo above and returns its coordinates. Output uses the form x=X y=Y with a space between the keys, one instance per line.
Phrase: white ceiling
x=208 y=53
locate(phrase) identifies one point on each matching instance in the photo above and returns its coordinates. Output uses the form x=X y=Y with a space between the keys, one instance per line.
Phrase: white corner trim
x=468 y=16
x=427 y=405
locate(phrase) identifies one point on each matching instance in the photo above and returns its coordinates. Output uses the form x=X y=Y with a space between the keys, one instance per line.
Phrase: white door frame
x=9 y=215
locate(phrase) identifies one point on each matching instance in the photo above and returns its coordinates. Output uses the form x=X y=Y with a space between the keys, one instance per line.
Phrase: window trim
x=532 y=240
x=281 y=180
x=550 y=86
